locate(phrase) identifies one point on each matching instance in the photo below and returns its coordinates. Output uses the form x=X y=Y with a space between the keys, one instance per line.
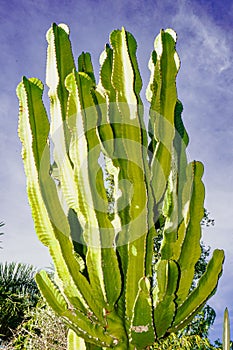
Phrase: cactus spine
x=105 y=288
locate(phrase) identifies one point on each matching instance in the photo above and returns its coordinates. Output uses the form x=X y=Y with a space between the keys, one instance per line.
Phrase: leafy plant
x=41 y=329
x=185 y=342
x=18 y=293
x=106 y=290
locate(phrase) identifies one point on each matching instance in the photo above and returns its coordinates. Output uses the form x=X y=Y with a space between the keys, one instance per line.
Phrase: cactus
x=226 y=331
x=110 y=288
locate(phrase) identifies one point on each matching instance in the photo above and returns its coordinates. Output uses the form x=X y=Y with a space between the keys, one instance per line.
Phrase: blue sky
x=204 y=85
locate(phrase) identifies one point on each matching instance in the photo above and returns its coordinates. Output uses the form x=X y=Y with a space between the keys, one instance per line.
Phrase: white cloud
x=206 y=45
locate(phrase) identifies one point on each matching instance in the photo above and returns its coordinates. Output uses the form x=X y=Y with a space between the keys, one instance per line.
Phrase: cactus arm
x=123 y=78
x=59 y=244
x=27 y=90
x=191 y=250
x=110 y=130
x=179 y=125
x=72 y=260
x=180 y=144
x=142 y=328
x=85 y=65
x=60 y=63
x=74 y=342
x=184 y=246
x=172 y=206
x=53 y=295
x=164 y=65
x=83 y=324
x=111 y=267
x=30 y=93
x=100 y=262
x=198 y=297
x=161 y=92
x=164 y=295
x=134 y=217
x=78 y=84
x=105 y=83
x=132 y=46
x=106 y=97
x=180 y=159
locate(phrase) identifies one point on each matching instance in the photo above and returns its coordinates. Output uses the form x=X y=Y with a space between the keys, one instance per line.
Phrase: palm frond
x=17 y=278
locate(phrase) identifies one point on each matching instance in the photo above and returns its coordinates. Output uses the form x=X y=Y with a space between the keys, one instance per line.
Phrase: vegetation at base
x=42 y=329
x=18 y=294
x=185 y=342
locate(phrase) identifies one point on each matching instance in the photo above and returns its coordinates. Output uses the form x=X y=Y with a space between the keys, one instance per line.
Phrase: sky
x=204 y=84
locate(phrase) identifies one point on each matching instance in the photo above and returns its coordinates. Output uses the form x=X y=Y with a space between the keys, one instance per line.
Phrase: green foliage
x=207 y=221
x=105 y=288
x=201 y=323
x=18 y=293
x=184 y=342
x=41 y=329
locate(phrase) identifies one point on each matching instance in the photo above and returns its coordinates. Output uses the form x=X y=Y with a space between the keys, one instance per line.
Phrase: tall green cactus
x=109 y=288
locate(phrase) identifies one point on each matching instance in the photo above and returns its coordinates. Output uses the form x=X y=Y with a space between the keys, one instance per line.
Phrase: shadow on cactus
x=112 y=289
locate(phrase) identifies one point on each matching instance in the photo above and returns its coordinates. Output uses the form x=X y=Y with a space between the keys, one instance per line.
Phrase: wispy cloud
x=205 y=86
x=207 y=45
